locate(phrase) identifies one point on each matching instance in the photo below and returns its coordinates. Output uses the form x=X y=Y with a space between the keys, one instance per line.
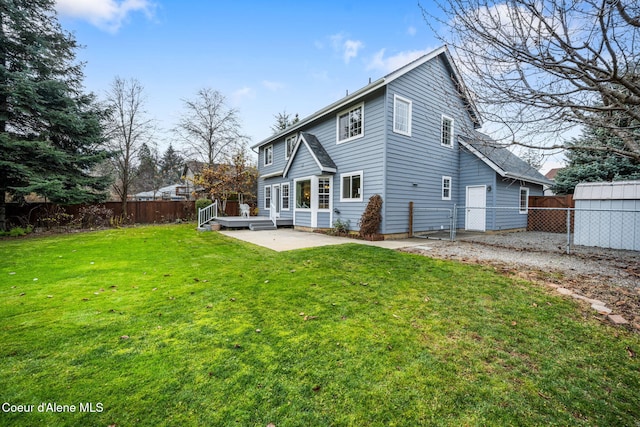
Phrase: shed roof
x=500 y=159
x=617 y=190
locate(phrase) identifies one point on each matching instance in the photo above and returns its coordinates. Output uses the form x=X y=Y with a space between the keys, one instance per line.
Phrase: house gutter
x=319 y=114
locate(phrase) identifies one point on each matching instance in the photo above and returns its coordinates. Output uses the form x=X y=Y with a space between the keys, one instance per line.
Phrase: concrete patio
x=286 y=239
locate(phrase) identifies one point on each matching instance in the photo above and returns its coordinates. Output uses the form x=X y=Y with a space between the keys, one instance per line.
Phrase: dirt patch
x=610 y=276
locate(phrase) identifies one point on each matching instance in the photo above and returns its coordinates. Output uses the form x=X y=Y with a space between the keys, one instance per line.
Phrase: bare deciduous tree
x=540 y=67
x=129 y=128
x=210 y=128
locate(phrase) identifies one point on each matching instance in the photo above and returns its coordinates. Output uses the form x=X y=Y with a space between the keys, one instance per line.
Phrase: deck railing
x=207 y=213
x=272 y=214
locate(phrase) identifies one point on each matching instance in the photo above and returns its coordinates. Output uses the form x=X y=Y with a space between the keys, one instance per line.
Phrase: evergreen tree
x=171 y=166
x=595 y=165
x=50 y=132
x=147 y=174
x=283 y=121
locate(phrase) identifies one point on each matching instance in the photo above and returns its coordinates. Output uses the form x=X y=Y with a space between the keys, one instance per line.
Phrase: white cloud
x=346 y=47
x=241 y=94
x=108 y=15
x=351 y=48
x=273 y=86
x=392 y=63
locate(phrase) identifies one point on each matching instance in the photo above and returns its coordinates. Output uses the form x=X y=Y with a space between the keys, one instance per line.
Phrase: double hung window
x=401 y=115
x=351 y=124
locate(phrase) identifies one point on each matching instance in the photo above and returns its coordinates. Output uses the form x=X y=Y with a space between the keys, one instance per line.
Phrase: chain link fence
x=536 y=228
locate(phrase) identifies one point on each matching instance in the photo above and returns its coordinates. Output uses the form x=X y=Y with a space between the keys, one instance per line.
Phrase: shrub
x=202 y=203
x=372 y=217
x=94 y=215
x=340 y=226
x=17 y=231
x=55 y=216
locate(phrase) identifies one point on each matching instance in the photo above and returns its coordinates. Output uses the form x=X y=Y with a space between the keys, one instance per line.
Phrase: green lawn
x=167 y=326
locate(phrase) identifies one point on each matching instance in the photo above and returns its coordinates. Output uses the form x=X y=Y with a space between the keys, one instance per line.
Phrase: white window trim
x=286 y=151
x=343 y=112
x=450 y=145
x=526 y=210
x=267 y=206
x=282 y=186
x=342 y=176
x=397 y=98
x=295 y=194
x=266 y=149
x=446 y=178
x=317 y=194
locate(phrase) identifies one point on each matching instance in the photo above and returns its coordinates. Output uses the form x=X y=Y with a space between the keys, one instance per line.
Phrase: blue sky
x=264 y=56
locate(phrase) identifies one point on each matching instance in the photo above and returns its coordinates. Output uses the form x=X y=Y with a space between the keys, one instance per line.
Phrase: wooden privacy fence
x=549 y=213
x=138 y=212
x=51 y=214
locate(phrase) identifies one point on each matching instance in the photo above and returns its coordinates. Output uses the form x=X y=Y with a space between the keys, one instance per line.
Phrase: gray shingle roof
x=500 y=159
x=326 y=163
x=323 y=160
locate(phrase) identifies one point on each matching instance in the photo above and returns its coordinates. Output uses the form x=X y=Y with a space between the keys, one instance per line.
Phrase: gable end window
x=447 y=132
x=289 y=144
x=446 y=188
x=350 y=124
x=401 y=115
x=351 y=190
x=268 y=155
x=524 y=200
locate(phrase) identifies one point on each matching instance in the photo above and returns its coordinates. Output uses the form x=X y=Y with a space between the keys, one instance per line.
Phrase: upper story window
x=289 y=144
x=351 y=124
x=447 y=132
x=401 y=115
x=268 y=155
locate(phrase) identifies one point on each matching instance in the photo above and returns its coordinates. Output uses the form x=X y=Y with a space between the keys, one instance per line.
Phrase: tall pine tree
x=171 y=166
x=596 y=164
x=50 y=131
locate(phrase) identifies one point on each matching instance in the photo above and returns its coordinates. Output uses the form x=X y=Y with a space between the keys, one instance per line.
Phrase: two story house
x=410 y=136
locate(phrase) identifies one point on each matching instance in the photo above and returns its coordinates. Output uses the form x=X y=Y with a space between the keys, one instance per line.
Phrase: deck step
x=262 y=226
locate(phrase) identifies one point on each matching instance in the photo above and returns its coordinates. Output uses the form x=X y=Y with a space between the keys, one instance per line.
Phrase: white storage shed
x=608 y=215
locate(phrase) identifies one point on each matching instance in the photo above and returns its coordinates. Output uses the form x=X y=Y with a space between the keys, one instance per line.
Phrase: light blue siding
x=416 y=164
x=401 y=168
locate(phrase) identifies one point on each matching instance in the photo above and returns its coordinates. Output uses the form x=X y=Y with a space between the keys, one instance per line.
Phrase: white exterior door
x=476 y=212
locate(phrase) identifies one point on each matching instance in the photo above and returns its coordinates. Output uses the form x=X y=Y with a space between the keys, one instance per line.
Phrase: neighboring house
x=551 y=175
x=170 y=192
x=409 y=137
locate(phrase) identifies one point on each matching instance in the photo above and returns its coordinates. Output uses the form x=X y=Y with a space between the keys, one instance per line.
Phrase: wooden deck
x=244 y=222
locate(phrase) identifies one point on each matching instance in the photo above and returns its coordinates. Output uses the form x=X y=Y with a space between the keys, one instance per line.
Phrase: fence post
x=410 y=219
x=454 y=222
x=568 y=231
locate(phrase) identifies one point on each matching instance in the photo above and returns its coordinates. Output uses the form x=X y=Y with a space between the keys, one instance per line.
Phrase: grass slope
x=159 y=326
